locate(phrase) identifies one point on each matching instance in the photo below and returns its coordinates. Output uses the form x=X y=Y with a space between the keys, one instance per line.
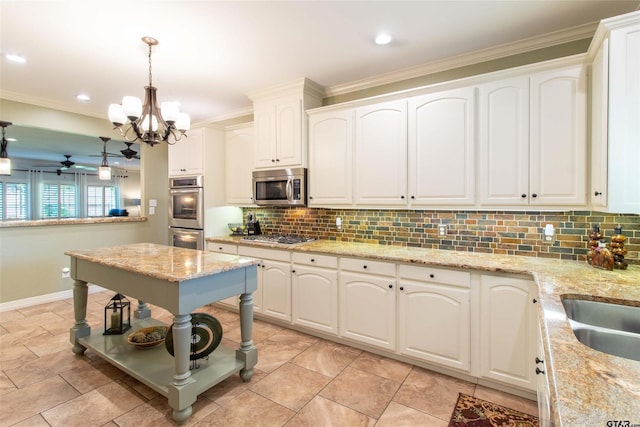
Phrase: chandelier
x=5 y=161
x=149 y=123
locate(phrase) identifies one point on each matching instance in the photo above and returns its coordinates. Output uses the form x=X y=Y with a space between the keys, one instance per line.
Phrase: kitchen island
x=179 y=280
x=587 y=387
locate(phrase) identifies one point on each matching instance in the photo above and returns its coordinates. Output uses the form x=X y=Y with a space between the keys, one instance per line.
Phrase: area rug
x=473 y=412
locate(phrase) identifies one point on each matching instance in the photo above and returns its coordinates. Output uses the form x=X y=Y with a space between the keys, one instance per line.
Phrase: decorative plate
x=148 y=337
x=206 y=334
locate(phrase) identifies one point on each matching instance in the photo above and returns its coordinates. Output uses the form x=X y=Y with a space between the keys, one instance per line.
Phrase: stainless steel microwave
x=280 y=187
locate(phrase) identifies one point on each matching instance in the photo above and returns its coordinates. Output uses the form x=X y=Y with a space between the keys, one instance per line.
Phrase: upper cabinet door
x=381 y=154
x=187 y=156
x=558 y=150
x=441 y=148
x=289 y=134
x=239 y=147
x=504 y=142
x=331 y=158
x=264 y=117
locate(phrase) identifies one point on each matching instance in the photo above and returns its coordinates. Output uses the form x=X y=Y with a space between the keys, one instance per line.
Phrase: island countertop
x=588 y=387
x=168 y=263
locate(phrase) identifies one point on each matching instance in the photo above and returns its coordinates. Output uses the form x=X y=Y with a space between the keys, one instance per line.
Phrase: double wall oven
x=186 y=212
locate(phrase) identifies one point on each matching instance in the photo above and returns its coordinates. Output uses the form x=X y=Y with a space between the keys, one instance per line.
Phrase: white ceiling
x=212 y=53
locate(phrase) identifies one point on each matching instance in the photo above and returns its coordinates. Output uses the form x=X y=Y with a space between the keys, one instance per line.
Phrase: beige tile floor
x=299 y=380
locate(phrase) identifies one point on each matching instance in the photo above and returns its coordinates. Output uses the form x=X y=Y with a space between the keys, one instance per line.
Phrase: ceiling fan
x=127 y=153
x=67 y=163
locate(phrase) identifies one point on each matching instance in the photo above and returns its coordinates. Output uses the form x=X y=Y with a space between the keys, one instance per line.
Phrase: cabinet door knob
x=277 y=160
x=313 y=260
x=413 y=197
x=402 y=288
x=364 y=266
x=534 y=300
x=402 y=197
x=390 y=286
x=220 y=249
x=524 y=196
x=293 y=271
x=432 y=275
x=310 y=197
x=538 y=360
x=597 y=193
x=273 y=160
x=534 y=195
x=539 y=371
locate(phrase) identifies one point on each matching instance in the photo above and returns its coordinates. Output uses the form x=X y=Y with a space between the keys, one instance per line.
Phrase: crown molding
x=492 y=53
x=41 y=102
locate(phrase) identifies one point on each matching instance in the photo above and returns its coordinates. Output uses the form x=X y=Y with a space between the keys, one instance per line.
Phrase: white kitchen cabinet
x=331 y=158
x=187 y=157
x=508 y=329
x=532 y=142
x=558 y=138
x=229 y=249
x=380 y=159
x=434 y=315
x=273 y=297
x=543 y=393
x=314 y=292
x=239 y=152
x=280 y=123
x=441 y=148
x=615 y=115
x=368 y=302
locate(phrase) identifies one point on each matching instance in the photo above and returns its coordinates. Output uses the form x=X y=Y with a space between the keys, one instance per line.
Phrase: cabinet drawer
x=263 y=253
x=224 y=248
x=435 y=275
x=325 y=261
x=368 y=266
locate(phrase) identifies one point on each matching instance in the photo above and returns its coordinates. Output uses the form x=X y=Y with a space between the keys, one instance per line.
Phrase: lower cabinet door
x=508 y=329
x=276 y=289
x=315 y=298
x=368 y=309
x=433 y=323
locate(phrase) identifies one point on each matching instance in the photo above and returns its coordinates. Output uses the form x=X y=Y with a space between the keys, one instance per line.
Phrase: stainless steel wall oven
x=186 y=212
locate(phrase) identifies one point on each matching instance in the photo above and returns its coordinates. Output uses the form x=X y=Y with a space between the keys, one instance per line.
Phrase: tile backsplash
x=498 y=232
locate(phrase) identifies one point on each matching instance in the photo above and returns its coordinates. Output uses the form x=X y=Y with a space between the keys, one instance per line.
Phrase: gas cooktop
x=285 y=239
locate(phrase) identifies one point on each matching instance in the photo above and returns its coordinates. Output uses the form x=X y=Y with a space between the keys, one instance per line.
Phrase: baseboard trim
x=43 y=299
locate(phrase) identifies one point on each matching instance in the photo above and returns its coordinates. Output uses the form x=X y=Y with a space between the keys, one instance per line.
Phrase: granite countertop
x=72 y=221
x=588 y=387
x=163 y=262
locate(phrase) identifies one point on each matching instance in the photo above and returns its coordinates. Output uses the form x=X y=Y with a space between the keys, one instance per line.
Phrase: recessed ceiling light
x=83 y=97
x=16 y=58
x=382 y=39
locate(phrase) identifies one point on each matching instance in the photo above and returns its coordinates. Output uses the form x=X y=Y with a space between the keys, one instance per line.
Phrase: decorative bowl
x=237 y=228
x=148 y=337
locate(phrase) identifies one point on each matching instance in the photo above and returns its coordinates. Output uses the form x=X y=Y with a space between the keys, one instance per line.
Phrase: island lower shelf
x=154 y=366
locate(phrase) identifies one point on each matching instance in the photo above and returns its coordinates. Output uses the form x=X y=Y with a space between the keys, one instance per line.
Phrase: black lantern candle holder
x=118 y=315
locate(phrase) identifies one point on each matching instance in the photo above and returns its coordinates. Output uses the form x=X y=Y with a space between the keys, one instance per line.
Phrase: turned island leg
x=247 y=351
x=181 y=395
x=80 y=328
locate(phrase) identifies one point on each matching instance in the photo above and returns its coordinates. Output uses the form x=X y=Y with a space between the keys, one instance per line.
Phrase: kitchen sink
x=610 y=328
x=603 y=314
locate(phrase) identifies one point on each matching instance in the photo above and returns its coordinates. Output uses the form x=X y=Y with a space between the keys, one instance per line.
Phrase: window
x=100 y=200
x=58 y=201
x=13 y=201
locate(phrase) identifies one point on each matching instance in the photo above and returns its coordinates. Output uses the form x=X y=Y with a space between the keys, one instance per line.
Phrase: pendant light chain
x=150 y=78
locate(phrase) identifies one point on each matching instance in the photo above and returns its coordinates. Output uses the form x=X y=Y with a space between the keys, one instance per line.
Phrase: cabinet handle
x=313 y=260
x=413 y=197
x=534 y=195
x=534 y=300
x=402 y=197
x=538 y=360
x=293 y=271
x=402 y=288
x=273 y=160
x=597 y=193
x=310 y=197
x=364 y=266
x=432 y=275
x=524 y=196
x=219 y=249
x=390 y=286
x=539 y=371
x=277 y=160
